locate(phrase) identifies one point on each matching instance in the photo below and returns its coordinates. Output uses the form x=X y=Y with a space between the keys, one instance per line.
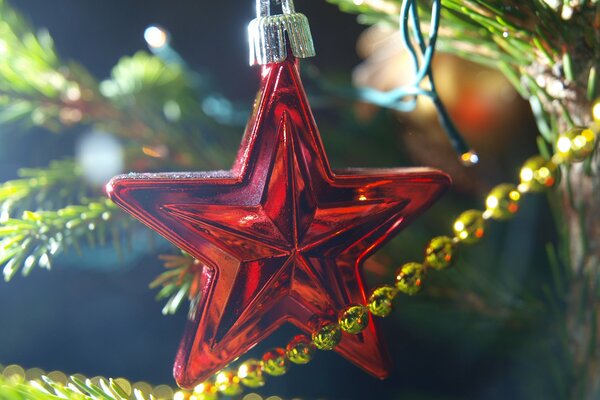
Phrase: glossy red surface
x=281 y=235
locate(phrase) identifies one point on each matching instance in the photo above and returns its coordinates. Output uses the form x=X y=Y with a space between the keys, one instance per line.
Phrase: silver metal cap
x=267 y=34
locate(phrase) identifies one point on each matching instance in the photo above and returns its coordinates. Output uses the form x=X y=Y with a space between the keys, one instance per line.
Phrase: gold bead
x=146 y=389
x=160 y=392
x=538 y=174
x=575 y=145
x=14 y=372
x=228 y=383
x=180 y=395
x=274 y=362
x=439 y=252
x=35 y=374
x=469 y=226
x=250 y=373
x=380 y=301
x=596 y=110
x=408 y=278
x=300 y=350
x=327 y=336
x=354 y=319
x=503 y=201
x=61 y=378
x=206 y=391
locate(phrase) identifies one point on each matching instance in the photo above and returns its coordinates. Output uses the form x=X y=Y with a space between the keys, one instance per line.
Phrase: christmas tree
x=490 y=294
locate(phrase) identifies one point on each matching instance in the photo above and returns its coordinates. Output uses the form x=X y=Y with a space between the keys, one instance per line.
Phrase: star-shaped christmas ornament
x=281 y=236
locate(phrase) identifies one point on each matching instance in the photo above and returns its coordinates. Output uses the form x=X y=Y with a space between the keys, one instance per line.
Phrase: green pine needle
x=40 y=188
x=178 y=282
x=36 y=88
x=37 y=237
x=159 y=107
x=16 y=388
x=153 y=105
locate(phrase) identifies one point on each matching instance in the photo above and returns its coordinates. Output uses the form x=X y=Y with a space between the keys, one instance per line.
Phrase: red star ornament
x=282 y=237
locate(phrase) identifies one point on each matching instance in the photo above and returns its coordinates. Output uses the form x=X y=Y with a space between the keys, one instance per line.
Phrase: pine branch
x=487 y=29
x=48 y=224
x=42 y=188
x=38 y=237
x=148 y=102
x=179 y=282
x=35 y=86
x=16 y=388
x=156 y=105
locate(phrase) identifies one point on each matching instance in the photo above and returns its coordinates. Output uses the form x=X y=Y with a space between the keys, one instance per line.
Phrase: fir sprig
x=45 y=388
x=151 y=104
x=53 y=187
x=155 y=104
x=179 y=282
x=37 y=237
x=36 y=88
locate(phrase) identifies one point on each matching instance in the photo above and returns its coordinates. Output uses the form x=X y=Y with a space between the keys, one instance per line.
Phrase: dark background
x=104 y=320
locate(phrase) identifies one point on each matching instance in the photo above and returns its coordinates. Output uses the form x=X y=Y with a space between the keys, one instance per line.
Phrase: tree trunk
x=580 y=205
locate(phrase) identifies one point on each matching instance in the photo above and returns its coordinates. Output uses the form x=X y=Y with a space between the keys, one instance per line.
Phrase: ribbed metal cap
x=267 y=34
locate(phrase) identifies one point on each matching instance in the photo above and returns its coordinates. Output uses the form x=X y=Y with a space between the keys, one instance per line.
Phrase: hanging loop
x=269 y=34
x=288 y=7
x=263 y=7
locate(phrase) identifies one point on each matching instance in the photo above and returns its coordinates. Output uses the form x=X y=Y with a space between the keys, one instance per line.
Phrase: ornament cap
x=269 y=35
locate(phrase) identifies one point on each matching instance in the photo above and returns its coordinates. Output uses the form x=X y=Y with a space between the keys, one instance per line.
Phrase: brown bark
x=579 y=195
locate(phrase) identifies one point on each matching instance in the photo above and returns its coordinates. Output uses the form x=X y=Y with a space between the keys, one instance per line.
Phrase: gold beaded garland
x=158 y=392
x=354 y=319
x=250 y=373
x=503 y=201
x=274 y=362
x=439 y=252
x=228 y=383
x=469 y=226
x=538 y=174
x=380 y=301
x=575 y=145
x=206 y=391
x=300 y=350
x=408 y=278
x=327 y=336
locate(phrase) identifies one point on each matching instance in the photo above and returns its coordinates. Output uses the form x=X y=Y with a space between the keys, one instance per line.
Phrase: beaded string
x=537 y=175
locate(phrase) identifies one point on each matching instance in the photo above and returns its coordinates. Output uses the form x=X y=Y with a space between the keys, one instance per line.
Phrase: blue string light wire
x=404 y=99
